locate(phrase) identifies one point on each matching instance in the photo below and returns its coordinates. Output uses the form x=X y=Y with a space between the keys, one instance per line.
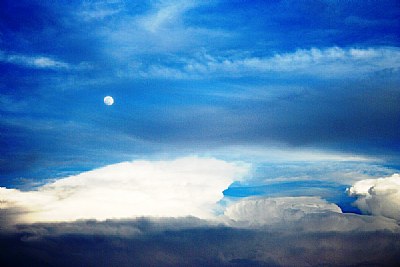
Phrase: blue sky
x=278 y=115
x=199 y=78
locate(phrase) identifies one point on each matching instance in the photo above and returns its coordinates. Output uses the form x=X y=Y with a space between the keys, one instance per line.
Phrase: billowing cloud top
x=260 y=211
x=181 y=187
x=378 y=196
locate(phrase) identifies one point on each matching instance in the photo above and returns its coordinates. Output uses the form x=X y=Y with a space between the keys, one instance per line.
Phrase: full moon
x=108 y=100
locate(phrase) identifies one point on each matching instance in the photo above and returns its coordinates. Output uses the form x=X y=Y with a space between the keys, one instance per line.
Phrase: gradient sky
x=287 y=98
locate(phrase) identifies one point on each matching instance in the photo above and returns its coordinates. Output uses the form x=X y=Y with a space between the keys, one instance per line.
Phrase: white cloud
x=39 y=62
x=182 y=187
x=262 y=211
x=164 y=14
x=161 y=31
x=330 y=62
x=378 y=196
x=100 y=9
x=303 y=214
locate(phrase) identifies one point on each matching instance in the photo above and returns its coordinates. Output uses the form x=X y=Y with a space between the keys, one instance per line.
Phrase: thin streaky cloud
x=40 y=62
x=333 y=62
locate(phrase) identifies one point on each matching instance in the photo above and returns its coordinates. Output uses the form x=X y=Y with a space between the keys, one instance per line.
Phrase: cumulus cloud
x=378 y=196
x=181 y=187
x=260 y=211
x=305 y=214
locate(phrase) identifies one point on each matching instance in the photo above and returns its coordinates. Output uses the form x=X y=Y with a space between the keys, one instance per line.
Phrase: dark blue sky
x=198 y=78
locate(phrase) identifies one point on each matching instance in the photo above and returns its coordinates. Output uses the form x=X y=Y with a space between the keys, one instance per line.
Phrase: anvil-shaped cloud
x=181 y=187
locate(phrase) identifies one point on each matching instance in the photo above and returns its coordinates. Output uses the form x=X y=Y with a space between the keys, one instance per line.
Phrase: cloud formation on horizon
x=192 y=186
x=301 y=214
x=182 y=187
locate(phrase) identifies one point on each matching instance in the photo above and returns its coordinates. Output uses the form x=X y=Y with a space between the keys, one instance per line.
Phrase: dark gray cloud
x=190 y=242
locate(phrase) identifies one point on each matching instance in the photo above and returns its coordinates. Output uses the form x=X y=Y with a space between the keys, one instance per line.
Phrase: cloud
x=331 y=62
x=181 y=187
x=118 y=227
x=100 y=10
x=190 y=242
x=261 y=211
x=378 y=196
x=304 y=214
x=39 y=62
x=165 y=13
x=142 y=37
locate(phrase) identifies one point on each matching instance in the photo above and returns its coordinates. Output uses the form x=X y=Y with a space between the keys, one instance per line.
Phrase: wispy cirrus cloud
x=38 y=62
x=165 y=14
x=332 y=62
x=160 y=28
x=99 y=10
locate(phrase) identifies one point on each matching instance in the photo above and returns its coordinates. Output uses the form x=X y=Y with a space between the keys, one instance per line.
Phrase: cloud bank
x=303 y=214
x=181 y=187
x=193 y=186
x=260 y=211
x=262 y=231
x=191 y=242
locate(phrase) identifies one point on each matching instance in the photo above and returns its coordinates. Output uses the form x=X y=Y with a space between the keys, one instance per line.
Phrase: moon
x=108 y=100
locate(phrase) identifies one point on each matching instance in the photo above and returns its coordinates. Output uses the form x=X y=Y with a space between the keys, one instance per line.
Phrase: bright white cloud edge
x=181 y=187
x=379 y=197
